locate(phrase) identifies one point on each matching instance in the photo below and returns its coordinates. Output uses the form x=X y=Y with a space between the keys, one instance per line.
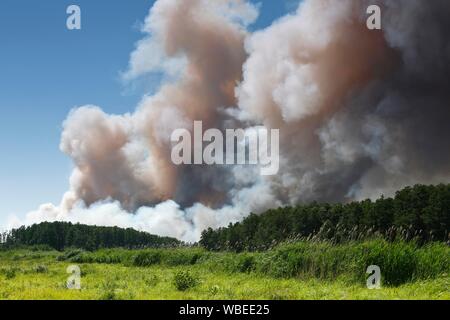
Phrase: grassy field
x=292 y=271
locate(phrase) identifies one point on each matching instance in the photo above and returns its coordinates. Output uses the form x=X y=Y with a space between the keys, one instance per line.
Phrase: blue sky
x=46 y=70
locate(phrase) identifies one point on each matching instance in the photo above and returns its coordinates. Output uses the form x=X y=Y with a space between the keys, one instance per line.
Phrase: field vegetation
x=302 y=270
x=314 y=251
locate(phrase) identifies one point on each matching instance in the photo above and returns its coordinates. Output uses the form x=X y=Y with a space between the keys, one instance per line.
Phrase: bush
x=147 y=258
x=400 y=262
x=397 y=261
x=184 y=280
x=108 y=291
x=40 y=268
x=151 y=281
x=70 y=255
x=108 y=256
x=9 y=273
x=170 y=257
x=181 y=257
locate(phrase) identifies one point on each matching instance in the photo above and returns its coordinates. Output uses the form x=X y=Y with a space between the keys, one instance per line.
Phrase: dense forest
x=419 y=212
x=60 y=235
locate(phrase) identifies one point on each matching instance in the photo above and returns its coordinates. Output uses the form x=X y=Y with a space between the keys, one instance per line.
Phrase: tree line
x=60 y=235
x=420 y=212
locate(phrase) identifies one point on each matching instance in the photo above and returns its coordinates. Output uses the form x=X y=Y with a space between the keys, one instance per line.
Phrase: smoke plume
x=361 y=113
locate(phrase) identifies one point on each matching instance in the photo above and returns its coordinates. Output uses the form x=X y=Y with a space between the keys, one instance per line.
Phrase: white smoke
x=361 y=113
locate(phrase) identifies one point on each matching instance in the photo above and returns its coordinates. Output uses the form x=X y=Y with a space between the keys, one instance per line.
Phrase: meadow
x=299 y=270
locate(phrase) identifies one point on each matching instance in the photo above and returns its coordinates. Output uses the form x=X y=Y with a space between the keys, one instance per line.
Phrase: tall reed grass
x=400 y=261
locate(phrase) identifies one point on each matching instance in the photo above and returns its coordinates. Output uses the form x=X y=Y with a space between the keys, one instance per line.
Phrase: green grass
x=400 y=261
x=301 y=270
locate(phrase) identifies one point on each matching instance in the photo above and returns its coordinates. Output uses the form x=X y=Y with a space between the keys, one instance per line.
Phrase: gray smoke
x=361 y=113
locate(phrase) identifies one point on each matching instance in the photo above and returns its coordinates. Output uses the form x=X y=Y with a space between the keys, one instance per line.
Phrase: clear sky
x=46 y=70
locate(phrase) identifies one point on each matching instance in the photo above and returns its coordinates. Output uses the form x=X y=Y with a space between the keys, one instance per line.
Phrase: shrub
x=40 y=268
x=108 y=291
x=151 y=281
x=397 y=261
x=400 y=261
x=433 y=260
x=70 y=255
x=245 y=262
x=147 y=258
x=184 y=280
x=9 y=273
x=180 y=257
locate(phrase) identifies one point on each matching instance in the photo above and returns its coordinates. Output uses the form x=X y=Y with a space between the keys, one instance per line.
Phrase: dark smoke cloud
x=360 y=112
